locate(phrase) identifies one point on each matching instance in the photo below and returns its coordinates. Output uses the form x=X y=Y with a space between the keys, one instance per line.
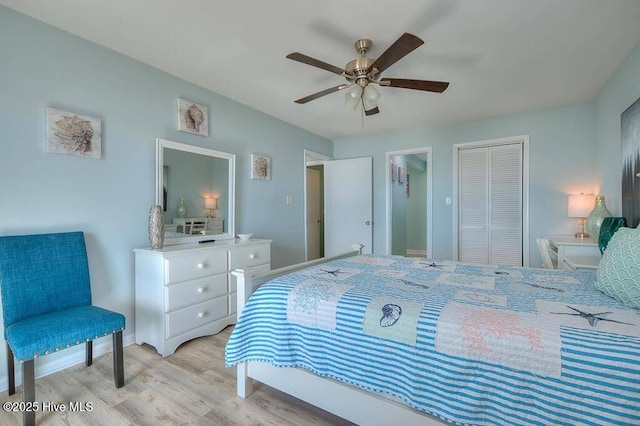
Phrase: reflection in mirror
x=195 y=186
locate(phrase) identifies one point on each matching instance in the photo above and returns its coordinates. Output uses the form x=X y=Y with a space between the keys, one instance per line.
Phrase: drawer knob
x=202 y=290
x=253 y=256
x=203 y=314
x=202 y=265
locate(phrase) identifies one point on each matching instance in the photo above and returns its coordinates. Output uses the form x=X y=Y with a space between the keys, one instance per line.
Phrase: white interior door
x=348 y=198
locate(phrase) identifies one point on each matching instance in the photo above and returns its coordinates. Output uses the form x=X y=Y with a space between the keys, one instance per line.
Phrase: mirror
x=195 y=186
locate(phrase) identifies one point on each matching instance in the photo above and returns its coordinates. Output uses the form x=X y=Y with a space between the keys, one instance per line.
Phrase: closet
x=490 y=211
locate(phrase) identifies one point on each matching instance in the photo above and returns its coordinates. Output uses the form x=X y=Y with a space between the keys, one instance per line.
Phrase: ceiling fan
x=362 y=73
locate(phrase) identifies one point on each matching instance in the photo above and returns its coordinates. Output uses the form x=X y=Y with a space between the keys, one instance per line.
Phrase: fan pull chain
x=362 y=114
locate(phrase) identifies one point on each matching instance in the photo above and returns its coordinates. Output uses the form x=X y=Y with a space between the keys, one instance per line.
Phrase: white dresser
x=186 y=291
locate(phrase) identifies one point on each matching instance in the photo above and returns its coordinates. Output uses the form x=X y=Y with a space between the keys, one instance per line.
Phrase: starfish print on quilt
x=592 y=318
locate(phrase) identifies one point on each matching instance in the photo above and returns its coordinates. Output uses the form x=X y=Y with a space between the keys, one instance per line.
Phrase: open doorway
x=409 y=202
x=314 y=204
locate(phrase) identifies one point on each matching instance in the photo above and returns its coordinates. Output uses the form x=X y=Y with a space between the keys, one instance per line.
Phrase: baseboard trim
x=64 y=359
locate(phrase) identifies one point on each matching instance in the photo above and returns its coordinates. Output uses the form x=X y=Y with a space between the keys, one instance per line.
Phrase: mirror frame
x=161 y=144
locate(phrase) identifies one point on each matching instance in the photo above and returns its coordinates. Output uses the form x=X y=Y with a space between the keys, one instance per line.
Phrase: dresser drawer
x=251 y=255
x=194 y=291
x=194 y=316
x=194 y=265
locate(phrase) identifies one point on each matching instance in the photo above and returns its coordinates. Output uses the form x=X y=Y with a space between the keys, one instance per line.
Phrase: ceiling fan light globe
x=370 y=97
x=352 y=96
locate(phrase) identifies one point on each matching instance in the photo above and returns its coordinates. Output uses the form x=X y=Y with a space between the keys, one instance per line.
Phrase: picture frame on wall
x=394 y=171
x=260 y=167
x=193 y=118
x=401 y=174
x=73 y=134
x=408 y=185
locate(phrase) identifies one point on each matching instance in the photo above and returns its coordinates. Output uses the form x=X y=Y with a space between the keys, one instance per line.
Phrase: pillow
x=618 y=273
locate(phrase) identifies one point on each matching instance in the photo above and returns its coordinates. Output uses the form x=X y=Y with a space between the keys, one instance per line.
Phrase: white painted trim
x=311 y=158
x=68 y=358
x=524 y=140
x=426 y=150
x=230 y=213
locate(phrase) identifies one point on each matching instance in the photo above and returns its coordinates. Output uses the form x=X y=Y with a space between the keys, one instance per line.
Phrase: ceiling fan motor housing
x=357 y=70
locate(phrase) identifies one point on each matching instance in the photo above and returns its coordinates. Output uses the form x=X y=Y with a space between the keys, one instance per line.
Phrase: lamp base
x=582 y=233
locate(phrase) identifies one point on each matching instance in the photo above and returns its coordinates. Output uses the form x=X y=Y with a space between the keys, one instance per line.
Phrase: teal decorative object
x=594 y=220
x=609 y=227
x=618 y=273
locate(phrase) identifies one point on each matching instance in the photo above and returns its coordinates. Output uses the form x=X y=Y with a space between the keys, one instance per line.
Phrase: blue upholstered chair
x=46 y=305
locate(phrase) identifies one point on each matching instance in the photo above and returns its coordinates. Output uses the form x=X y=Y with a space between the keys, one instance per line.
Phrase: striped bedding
x=470 y=344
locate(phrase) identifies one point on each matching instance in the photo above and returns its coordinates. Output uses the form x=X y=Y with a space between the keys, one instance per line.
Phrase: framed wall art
x=260 y=167
x=630 y=136
x=73 y=134
x=193 y=118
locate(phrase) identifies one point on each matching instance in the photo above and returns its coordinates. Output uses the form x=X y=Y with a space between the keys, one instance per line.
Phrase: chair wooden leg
x=118 y=359
x=28 y=392
x=11 y=374
x=89 y=353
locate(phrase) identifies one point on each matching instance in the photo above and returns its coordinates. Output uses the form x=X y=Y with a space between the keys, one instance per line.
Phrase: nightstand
x=575 y=252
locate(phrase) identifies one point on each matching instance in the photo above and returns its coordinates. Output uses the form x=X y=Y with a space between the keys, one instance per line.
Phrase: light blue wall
x=417 y=205
x=622 y=90
x=109 y=199
x=398 y=210
x=561 y=163
x=573 y=149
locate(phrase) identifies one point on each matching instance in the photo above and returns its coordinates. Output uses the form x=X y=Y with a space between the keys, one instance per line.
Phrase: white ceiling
x=500 y=56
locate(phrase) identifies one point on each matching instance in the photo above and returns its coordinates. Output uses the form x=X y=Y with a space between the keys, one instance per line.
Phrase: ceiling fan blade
x=321 y=94
x=372 y=111
x=426 y=85
x=296 y=56
x=404 y=45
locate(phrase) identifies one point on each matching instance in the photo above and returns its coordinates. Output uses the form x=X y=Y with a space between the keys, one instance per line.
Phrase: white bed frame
x=343 y=400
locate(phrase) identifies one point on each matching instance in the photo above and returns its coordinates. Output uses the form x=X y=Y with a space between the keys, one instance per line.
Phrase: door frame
x=311 y=158
x=524 y=139
x=388 y=208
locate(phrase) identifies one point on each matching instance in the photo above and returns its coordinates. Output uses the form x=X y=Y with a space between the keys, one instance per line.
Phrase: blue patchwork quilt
x=470 y=344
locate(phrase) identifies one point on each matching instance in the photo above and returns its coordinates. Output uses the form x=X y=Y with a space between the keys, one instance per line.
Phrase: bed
x=395 y=340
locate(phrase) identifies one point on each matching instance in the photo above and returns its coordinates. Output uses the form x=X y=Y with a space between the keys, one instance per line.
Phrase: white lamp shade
x=581 y=205
x=353 y=95
x=210 y=203
x=370 y=97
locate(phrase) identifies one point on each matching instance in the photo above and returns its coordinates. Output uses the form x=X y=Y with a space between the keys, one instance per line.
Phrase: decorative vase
x=156 y=227
x=594 y=220
x=182 y=209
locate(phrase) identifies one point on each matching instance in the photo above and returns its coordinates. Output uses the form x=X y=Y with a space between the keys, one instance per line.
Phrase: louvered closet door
x=505 y=205
x=490 y=205
x=473 y=244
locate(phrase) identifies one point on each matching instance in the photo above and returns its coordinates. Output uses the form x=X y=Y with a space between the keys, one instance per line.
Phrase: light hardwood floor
x=191 y=387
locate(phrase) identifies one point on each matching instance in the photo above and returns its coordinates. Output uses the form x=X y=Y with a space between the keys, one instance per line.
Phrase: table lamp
x=211 y=205
x=580 y=206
